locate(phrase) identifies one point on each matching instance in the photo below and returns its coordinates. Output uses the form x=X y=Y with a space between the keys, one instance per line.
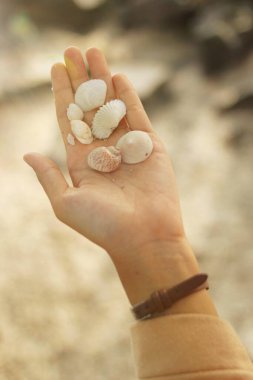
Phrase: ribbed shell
x=104 y=159
x=91 y=94
x=107 y=118
x=74 y=112
x=81 y=131
x=135 y=147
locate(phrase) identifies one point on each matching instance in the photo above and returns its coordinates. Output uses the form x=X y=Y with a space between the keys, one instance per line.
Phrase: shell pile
x=131 y=148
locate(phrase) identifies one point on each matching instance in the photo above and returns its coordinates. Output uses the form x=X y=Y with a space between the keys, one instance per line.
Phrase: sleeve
x=189 y=347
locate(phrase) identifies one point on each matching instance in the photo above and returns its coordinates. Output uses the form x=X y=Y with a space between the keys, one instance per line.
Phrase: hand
x=122 y=210
x=133 y=212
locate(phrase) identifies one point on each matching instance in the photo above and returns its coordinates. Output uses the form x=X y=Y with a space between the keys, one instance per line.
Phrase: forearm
x=192 y=342
x=158 y=265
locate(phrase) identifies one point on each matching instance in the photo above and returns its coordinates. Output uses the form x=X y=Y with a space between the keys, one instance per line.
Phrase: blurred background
x=63 y=313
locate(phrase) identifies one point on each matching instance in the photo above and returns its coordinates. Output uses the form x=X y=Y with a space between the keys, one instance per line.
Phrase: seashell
x=91 y=94
x=104 y=159
x=135 y=147
x=107 y=118
x=81 y=131
x=74 y=112
x=70 y=139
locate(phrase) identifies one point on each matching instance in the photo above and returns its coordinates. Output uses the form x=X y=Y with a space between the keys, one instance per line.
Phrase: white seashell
x=70 y=139
x=91 y=94
x=135 y=147
x=74 y=112
x=81 y=131
x=107 y=118
x=104 y=159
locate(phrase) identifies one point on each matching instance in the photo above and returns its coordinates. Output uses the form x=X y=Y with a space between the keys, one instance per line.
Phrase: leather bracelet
x=163 y=299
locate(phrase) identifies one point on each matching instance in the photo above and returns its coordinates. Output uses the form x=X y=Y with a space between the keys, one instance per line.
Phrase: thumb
x=49 y=175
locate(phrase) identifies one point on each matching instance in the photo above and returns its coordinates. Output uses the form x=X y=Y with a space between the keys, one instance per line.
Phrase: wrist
x=154 y=265
x=157 y=265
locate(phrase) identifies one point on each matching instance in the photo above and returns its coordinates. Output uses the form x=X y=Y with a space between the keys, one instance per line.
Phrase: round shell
x=74 y=112
x=135 y=147
x=91 y=94
x=81 y=131
x=107 y=118
x=104 y=159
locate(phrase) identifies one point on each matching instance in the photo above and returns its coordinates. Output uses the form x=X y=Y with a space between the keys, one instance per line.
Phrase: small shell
x=91 y=94
x=74 y=112
x=70 y=139
x=107 y=118
x=135 y=147
x=81 y=131
x=104 y=159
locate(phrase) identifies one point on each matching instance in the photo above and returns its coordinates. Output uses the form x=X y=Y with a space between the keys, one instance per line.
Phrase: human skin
x=133 y=212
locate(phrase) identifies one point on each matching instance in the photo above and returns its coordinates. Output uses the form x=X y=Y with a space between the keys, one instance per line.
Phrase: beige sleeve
x=189 y=347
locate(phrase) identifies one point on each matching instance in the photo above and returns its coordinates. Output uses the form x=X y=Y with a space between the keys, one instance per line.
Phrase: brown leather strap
x=162 y=299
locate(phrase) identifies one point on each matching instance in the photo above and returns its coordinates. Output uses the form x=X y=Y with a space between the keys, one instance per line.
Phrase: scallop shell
x=104 y=159
x=70 y=139
x=91 y=94
x=107 y=118
x=81 y=131
x=74 y=112
x=135 y=147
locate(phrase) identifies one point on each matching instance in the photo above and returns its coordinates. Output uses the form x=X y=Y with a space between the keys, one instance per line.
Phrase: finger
x=50 y=177
x=136 y=115
x=99 y=69
x=63 y=95
x=75 y=66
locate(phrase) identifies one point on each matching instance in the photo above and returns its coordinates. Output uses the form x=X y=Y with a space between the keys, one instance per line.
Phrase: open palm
x=130 y=207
